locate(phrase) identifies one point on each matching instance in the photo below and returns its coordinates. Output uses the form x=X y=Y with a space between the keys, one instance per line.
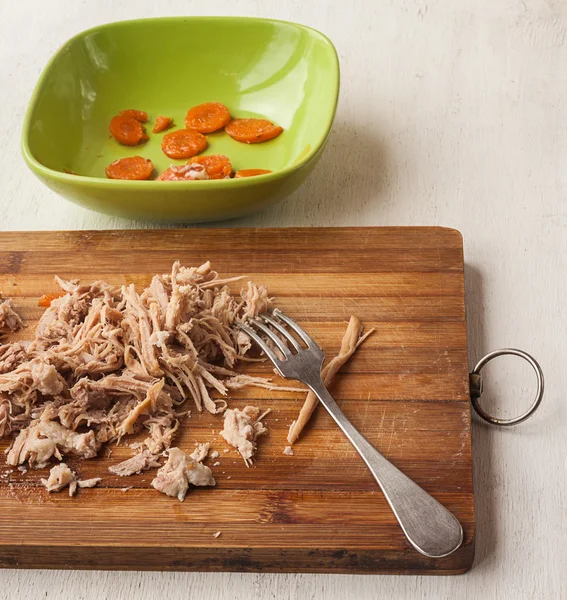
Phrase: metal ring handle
x=476 y=387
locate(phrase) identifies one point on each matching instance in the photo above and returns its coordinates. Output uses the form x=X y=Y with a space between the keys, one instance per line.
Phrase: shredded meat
x=61 y=476
x=242 y=428
x=178 y=472
x=10 y=320
x=107 y=361
x=12 y=355
x=44 y=439
x=351 y=341
x=140 y=462
x=200 y=452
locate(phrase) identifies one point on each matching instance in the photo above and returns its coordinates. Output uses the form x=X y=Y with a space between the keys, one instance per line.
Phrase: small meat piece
x=11 y=356
x=351 y=341
x=256 y=299
x=217 y=166
x=45 y=378
x=89 y=483
x=188 y=172
x=216 y=535
x=10 y=320
x=146 y=407
x=33 y=375
x=179 y=471
x=214 y=454
x=242 y=428
x=60 y=477
x=200 y=452
x=44 y=439
x=140 y=462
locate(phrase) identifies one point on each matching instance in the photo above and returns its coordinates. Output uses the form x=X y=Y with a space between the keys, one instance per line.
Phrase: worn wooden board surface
x=320 y=510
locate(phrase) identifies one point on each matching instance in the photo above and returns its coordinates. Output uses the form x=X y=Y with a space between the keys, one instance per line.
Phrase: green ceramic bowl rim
x=100 y=182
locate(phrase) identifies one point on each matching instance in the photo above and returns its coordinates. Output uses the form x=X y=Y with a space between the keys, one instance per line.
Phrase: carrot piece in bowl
x=162 y=123
x=183 y=143
x=250 y=173
x=217 y=166
x=189 y=172
x=252 y=131
x=139 y=115
x=127 y=130
x=133 y=168
x=207 y=117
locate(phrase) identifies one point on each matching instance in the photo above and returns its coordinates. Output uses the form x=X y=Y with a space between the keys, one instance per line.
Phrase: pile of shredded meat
x=107 y=361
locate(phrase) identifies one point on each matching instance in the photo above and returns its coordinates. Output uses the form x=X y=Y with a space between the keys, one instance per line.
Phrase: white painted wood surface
x=451 y=113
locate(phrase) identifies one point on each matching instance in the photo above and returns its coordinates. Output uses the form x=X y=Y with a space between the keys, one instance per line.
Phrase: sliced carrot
x=46 y=299
x=139 y=115
x=207 y=117
x=183 y=143
x=188 y=172
x=252 y=131
x=250 y=173
x=133 y=167
x=127 y=130
x=162 y=123
x=217 y=166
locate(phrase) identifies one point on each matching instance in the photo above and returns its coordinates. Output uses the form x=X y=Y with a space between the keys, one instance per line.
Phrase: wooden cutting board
x=406 y=390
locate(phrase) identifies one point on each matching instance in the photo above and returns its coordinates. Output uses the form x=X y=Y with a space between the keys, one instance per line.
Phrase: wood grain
x=406 y=389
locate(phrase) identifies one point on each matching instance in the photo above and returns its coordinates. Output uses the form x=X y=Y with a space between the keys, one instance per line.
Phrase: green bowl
x=284 y=72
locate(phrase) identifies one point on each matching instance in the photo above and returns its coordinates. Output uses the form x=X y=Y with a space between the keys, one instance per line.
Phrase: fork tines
x=261 y=323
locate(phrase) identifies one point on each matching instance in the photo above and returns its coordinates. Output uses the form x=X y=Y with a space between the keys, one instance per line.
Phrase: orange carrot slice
x=183 y=143
x=133 y=167
x=217 y=166
x=46 y=299
x=162 y=123
x=207 y=117
x=139 y=115
x=250 y=173
x=127 y=130
x=252 y=131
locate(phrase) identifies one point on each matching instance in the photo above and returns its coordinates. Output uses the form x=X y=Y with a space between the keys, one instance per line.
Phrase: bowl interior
x=281 y=71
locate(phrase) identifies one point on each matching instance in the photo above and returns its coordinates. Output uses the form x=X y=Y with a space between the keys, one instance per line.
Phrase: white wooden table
x=451 y=113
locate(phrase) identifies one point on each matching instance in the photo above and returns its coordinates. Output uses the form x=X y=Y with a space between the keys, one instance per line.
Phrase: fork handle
x=428 y=525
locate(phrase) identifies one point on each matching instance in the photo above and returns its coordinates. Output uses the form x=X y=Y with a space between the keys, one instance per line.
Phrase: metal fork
x=429 y=526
